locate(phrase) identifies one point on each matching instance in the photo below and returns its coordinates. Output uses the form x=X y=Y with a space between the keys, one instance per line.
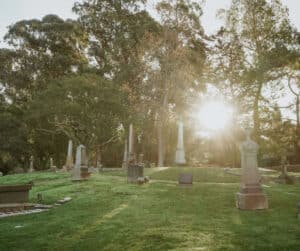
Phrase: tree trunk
x=297 y=145
x=160 y=142
x=98 y=158
x=160 y=133
x=297 y=112
x=256 y=118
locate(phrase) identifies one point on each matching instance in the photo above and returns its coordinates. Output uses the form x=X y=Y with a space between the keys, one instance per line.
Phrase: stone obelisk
x=180 y=154
x=131 y=155
x=125 y=157
x=251 y=196
x=80 y=171
x=69 y=160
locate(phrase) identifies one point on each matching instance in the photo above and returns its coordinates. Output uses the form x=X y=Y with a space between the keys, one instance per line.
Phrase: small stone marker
x=141 y=159
x=185 y=179
x=81 y=170
x=284 y=178
x=135 y=173
x=93 y=169
x=31 y=168
x=52 y=166
x=251 y=196
x=39 y=198
x=64 y=200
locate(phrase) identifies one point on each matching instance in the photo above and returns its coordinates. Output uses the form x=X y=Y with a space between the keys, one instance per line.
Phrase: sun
x=215 y=115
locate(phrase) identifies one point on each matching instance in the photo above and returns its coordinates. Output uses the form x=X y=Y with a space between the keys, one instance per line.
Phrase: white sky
x=12 y=11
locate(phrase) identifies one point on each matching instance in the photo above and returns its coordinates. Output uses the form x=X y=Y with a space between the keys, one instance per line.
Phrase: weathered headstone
x=125 y=157
x=135 y=173
x=39 y=198
x=31 y=167
x=52 y=167
x=251 y=196
x=69 y=161
x=284 y=178
x=80 y=171
x=185 y=179
x=180 y=154
x=93 y=169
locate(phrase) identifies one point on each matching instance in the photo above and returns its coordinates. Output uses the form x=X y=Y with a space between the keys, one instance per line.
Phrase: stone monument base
x=80 y=174
x=180 y=157
x=251 y=200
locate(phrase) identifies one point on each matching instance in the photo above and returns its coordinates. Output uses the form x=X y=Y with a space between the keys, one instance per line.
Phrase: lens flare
x=215 y=115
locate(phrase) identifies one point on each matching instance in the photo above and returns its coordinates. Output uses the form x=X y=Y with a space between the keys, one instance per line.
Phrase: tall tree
x=41 y=50
x=115 y=30
x=85 y=108
x=261 y=31
x=173 y=62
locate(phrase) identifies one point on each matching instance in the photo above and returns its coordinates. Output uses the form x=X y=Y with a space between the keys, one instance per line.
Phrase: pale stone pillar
x=131 y=155
x=125 y=157
x=80 y=156
x=31 y=167
x=250 y=196
x=69 y=161
x=131 y=137
x=180 y=154
x=80 y=172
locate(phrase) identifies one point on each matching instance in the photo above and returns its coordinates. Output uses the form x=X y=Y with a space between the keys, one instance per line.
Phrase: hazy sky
x=15 y=10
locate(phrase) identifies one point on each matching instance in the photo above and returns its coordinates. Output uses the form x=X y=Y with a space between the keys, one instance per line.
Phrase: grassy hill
x=106 y=213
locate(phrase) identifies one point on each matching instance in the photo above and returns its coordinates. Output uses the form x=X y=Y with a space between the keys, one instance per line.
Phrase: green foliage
x=84 y=108
x=256 y=42
x=14 y=146
x=42 y=50
x=116 y=29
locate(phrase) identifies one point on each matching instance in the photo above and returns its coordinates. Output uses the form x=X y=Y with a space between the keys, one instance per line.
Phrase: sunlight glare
x=215 y=115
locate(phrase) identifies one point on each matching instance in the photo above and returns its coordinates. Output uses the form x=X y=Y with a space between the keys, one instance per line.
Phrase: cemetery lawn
x=106 y=213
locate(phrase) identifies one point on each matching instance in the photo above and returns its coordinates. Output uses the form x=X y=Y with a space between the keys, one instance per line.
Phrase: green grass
x=106 y=213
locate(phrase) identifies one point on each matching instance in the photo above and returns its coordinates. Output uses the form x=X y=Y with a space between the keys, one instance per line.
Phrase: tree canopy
x=88 y=79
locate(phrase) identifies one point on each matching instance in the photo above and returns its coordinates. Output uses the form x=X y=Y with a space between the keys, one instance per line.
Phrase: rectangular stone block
x=251 y=201
x=185 y=179
x=80 y=174
x=134 y=172
x=14 y=193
